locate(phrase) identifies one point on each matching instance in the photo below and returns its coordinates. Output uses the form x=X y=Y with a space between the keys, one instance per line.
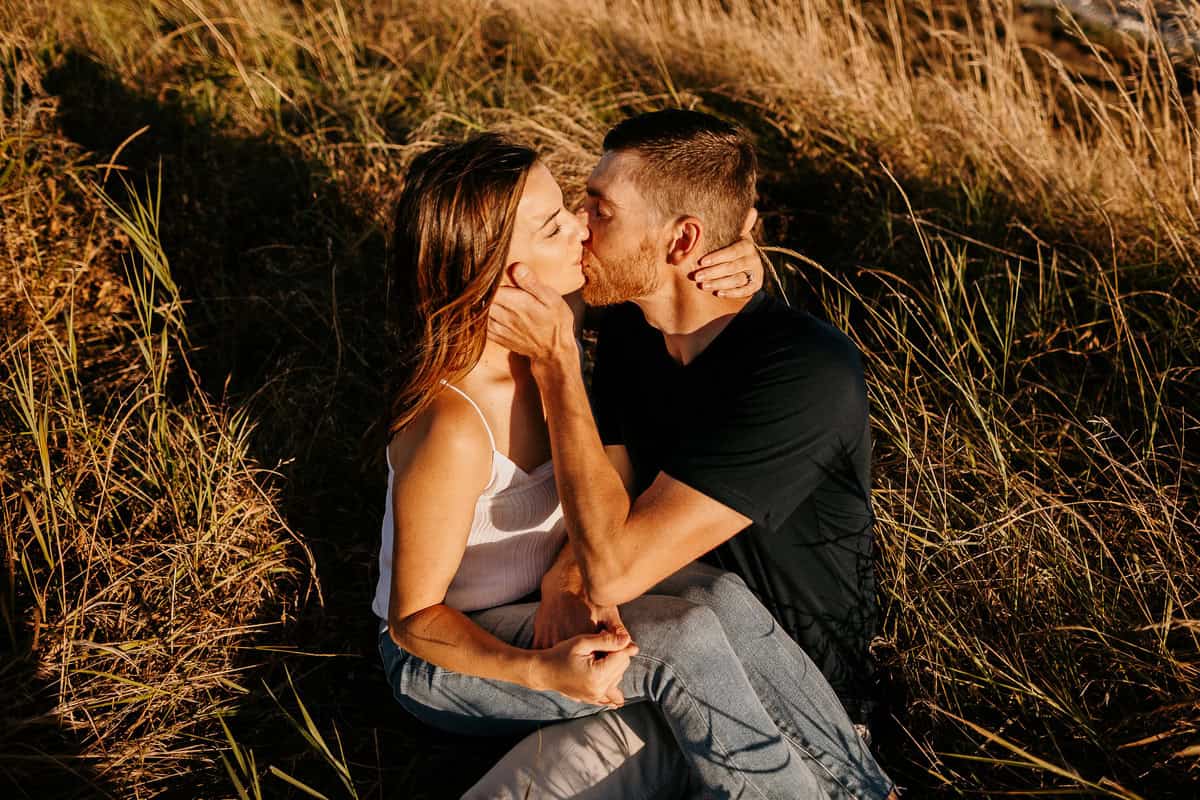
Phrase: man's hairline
x=652 y=198
x=656 y=202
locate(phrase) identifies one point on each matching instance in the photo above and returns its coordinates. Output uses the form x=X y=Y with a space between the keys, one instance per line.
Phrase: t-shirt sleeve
x=606 y=377
x=794 y=425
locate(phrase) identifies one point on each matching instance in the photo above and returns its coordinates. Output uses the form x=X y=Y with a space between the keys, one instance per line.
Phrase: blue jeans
x=749 y=710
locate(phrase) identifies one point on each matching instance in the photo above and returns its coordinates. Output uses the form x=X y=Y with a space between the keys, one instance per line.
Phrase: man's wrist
x=563 y=578
x=553 y=579
x=557 y=360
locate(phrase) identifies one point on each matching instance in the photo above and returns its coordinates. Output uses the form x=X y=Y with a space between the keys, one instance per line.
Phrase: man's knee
x=699 y=622
x=673 y=627
x=729 y=597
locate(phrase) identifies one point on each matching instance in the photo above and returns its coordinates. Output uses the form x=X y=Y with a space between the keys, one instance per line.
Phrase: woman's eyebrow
x=552 y=216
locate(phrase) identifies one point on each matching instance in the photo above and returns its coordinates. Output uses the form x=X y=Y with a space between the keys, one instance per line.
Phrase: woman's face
x=547 y=238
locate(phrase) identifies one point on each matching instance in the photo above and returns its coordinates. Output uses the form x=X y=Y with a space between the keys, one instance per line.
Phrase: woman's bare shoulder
x=449 y=434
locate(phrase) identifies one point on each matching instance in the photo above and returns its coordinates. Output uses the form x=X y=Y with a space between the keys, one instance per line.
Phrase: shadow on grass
x=284 y=288
x=39 y=756
x=286 y=291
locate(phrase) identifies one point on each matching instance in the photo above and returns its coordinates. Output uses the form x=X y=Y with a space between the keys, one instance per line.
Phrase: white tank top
x=515 y=536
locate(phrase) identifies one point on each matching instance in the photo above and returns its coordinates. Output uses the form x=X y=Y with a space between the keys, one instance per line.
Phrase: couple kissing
x=691 y=541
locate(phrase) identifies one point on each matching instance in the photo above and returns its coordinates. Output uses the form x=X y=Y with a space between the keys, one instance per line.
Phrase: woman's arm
x=442 y=463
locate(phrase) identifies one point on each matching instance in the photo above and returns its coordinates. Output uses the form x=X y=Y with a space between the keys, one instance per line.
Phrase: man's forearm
x=595 y=502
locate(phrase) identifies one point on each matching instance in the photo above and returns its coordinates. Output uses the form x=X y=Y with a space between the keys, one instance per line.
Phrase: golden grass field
x=1000 y=207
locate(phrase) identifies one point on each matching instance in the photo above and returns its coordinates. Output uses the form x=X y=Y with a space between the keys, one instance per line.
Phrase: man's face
x=623 y=257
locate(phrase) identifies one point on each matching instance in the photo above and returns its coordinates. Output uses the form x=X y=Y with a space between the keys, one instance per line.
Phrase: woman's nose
x=582 y=218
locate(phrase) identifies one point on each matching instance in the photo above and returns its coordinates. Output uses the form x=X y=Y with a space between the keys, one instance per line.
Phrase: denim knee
x=699 y=624
x=729 y=596
x=691 y=638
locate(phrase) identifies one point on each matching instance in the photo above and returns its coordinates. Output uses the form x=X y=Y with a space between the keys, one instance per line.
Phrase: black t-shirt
x=771 y=421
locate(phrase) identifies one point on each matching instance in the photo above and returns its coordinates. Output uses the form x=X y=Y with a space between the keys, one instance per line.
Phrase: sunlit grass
x=1009 y=232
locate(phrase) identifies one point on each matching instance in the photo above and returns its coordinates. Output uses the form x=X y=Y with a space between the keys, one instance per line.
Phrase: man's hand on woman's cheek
x=530 y=318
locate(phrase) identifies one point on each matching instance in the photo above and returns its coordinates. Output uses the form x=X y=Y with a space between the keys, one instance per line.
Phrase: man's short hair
x=692 y=164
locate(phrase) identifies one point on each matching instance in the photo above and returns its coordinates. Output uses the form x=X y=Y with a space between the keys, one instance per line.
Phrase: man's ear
x=748 y=222
x=686 y=241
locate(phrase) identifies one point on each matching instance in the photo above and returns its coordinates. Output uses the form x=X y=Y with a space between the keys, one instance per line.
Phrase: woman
x=473 y=523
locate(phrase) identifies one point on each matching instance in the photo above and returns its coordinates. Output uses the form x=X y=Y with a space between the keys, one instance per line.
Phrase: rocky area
x=1174 y=23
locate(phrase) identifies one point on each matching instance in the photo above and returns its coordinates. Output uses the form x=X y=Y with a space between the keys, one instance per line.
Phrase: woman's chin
x=574 y=284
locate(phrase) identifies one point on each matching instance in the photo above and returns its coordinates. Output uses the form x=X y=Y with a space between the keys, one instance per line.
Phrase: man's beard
x=633 y=277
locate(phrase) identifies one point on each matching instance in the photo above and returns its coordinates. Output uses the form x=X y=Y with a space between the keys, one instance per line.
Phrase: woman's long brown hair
x=453 y=227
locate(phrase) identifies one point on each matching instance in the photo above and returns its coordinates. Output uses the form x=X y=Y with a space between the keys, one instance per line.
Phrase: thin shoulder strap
x=474 y=405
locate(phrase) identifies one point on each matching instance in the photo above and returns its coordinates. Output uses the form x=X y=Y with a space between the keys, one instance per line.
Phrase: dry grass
x=1004 y=217
x=144 y=557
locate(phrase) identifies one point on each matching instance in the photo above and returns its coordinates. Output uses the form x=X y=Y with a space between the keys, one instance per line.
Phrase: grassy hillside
x=1000 y=207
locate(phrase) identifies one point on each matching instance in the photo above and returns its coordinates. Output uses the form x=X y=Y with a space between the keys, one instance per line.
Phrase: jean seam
x=746 y=783
x=397 y=687
x=833 y=775
x=730 y=579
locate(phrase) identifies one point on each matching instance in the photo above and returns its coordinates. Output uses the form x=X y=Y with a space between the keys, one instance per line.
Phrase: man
x=730 y=429
x=734 y=429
